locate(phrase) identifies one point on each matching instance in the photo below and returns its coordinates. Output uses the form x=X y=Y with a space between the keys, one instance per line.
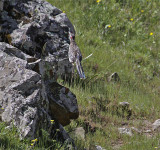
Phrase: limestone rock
x=63 y=103
x=33 y=53
x=136 y=130
x=124 y=130
x=38 y=29
x=1 y=5
x=21 y=91
x=99 y=148
x=64 y=21
x=78 y=133
x=96 y=147
x=124 y=104
x=156 y=125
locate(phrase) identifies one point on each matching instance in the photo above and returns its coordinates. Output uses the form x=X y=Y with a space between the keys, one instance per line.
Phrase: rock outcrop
x=156 y=125
x=33 y=53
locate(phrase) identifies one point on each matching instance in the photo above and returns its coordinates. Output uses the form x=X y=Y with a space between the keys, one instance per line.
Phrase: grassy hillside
x=124 y=37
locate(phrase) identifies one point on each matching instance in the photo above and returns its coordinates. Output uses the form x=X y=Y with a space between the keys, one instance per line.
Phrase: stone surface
x=38 y=29
x=136 y=130
x=148 y=131
x=124 y=104
x=96 y=147
x=78 y=133
x=34 y=46
x=99 y=148
x=125 y=130
x=1 y=5
x=156 y=125
x=63 y=103
x=21 y=91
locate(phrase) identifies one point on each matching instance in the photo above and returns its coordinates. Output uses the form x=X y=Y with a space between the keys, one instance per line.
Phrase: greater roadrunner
x=75 y=56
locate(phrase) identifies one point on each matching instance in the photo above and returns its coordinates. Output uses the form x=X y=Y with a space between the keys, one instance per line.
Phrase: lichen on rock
x=33 y=53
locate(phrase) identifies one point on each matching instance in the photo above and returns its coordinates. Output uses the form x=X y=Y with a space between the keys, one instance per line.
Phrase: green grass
x=129 y=49
x=9 y=140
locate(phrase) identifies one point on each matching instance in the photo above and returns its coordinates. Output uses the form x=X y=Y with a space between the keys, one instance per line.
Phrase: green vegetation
x=9 y=140
x=123 y=36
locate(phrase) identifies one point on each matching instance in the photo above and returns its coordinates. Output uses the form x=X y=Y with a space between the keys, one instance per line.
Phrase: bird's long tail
x=80 y=69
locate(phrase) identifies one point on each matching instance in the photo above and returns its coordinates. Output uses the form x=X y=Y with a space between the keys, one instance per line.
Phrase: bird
x=75 y=56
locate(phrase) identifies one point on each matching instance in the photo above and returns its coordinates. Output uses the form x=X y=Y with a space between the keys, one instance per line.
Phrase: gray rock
x=78 y=133
x=13 y=51
x=124 y=104
x=21 y=94
x=33 y=53
x=124 y=130
x=156 y=125
x=63 y=103
x=42 y=31
x=148 y=131
x=99 y=148
x=96 y=147
x=1 y=5
x=64 y=21
x=136 y=130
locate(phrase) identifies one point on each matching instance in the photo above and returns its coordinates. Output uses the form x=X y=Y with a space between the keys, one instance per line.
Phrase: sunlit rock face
x=34 y=46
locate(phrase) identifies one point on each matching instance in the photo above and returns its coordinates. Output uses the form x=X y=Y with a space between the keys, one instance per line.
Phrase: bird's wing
x=71 y=54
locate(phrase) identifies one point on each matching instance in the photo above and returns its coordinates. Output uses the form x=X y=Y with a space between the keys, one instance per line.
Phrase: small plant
x=122 y=37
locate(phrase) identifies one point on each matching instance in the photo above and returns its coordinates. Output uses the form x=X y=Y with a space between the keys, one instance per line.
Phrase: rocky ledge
x=34 y=46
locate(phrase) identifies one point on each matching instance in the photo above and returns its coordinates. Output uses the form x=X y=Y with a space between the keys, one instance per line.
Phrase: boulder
x=124 y=104
x=96 y=147
x=99 y=148
x=125 y=130
x=156 y=125
x=63 y=103
x=38 y=29
x=79 y=133
x=34 y=47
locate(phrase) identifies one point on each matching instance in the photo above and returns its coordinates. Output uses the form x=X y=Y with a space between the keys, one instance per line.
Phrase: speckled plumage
x=75 y=56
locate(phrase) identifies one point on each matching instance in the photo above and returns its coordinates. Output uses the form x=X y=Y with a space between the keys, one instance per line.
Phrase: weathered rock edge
x=33 y=52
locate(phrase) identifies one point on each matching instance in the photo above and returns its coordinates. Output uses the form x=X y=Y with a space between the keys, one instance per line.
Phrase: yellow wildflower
x=52 y=121
x=142 y=11
x=131 y=19
x=36 y=140
x=32 y=144
x=107 y=26
x=151 y=33
x=98 y=1
x=63 y=11
x=156 y=147
x=2 y=108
